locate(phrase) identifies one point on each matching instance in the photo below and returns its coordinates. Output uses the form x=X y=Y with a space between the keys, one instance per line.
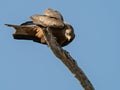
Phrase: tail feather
x=10 y=25
x=23 y=32
x=28 y=32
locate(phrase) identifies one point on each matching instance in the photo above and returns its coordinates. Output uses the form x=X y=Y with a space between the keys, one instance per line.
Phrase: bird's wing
x=28 y=33
x=46 y=21
x=53 y=13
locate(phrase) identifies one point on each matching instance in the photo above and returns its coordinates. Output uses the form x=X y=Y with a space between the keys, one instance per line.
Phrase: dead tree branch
x=65 y=57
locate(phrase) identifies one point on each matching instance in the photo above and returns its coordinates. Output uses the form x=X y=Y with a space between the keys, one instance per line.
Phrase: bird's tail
x=23 y=31
x=10 y=25
x=20 y=32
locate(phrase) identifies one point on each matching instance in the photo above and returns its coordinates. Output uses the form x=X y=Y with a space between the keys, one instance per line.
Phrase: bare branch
x=65 y=57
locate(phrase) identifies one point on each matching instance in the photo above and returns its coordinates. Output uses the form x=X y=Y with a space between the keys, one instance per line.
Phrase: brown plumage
x=32 y=30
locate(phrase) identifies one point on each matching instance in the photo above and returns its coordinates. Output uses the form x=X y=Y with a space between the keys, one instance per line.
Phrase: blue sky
x=26 y=65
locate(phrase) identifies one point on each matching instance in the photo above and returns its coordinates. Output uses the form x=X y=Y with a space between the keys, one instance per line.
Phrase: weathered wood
x=66 y=58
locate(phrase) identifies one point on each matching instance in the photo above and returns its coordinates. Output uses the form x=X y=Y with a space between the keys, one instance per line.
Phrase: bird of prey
x=30 y=30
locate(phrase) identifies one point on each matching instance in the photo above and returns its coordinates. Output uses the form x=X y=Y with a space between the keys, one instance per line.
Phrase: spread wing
x=28 y=32
x=53 y=13
x=47 y=21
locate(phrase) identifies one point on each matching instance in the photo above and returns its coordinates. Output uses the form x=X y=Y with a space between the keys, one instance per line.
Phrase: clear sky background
x=26 y=65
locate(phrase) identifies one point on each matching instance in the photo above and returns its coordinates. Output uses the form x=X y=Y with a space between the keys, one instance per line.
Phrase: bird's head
x=69 y=32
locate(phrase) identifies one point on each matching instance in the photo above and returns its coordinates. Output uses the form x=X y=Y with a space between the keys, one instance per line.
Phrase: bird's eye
x=67 y=33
